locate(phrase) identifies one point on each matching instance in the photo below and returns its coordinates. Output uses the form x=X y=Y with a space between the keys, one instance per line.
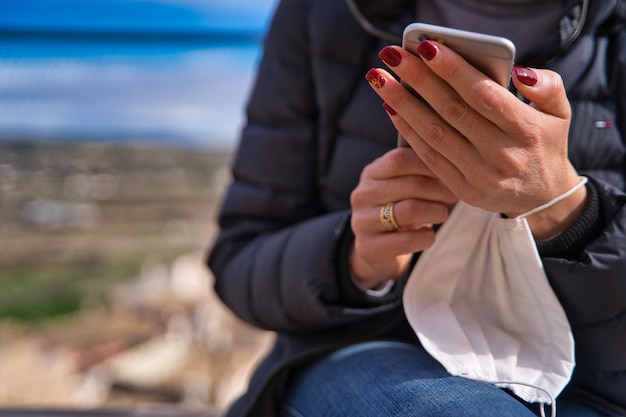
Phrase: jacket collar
x=579 y=17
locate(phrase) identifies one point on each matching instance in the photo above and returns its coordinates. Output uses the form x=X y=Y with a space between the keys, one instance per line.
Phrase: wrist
x=368 y=278
x=361 y=273
x=380 y=290
x=556 y=218
x=571 y=243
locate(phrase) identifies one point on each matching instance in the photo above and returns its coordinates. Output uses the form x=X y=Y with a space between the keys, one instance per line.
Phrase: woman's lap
x=394 y=379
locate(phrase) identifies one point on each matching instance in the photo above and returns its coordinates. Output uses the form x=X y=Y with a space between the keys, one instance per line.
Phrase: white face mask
x=480 y=303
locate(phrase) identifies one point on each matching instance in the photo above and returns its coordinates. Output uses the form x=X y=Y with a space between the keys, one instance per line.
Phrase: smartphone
x=494 y=56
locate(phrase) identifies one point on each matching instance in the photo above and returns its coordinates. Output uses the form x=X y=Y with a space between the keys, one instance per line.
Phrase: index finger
x=399 y=162
x=485 y=96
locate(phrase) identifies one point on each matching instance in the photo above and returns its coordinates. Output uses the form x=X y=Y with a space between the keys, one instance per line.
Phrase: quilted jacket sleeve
x=592 y=290
x=275 y=257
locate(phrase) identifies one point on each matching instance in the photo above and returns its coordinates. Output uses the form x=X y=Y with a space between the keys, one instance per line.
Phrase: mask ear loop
x=580 y=184
x=542 y=408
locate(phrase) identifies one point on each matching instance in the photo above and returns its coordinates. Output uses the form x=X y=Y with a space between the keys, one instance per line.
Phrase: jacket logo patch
x=603 y=124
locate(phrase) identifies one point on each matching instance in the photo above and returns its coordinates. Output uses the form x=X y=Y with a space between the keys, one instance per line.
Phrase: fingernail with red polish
x=526 y=76
x=427 y=50
x=375 y=78
x=389 y=109
x=390 y=56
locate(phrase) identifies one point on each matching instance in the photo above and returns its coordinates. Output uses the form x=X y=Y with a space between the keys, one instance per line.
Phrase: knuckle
x=430 y=158
x=556 y=81
x=532 y=132
x=357 y=198
x=395 y=158
x=414 y=78
x=358 y=223
x=450 y=68
x=368 y=174
x=434 y=134
x=454 y=110
x=488 y=94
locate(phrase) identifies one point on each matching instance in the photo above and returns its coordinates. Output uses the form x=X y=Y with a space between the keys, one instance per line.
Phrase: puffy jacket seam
x=598 y=323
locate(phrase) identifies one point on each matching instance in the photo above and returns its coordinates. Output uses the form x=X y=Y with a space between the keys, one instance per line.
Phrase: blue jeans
x=385 y=379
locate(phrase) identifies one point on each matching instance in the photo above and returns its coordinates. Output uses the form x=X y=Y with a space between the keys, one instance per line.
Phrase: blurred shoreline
x=105 y=299
x=76 y=218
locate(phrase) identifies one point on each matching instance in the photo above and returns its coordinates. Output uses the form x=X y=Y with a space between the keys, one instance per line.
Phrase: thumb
x=544 y=89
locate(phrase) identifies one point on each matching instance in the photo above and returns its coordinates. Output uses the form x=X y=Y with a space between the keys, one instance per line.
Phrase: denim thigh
x=384 y=379
x=391 y=379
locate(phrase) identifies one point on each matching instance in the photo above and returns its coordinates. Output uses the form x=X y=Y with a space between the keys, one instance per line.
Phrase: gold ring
x=386 y=217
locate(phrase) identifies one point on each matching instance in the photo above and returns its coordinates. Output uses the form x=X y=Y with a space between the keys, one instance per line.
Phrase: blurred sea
x=161 y=71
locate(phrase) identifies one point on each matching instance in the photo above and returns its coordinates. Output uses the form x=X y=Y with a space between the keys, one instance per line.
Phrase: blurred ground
x=104 y=297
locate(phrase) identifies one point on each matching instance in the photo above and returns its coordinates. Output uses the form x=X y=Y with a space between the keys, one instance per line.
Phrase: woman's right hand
x=420 y=200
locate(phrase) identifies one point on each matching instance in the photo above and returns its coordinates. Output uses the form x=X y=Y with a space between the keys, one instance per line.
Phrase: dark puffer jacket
x=314 y=123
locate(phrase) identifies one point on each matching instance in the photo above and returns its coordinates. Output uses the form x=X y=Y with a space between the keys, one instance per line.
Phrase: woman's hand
x=420 y=200
x=491 y=150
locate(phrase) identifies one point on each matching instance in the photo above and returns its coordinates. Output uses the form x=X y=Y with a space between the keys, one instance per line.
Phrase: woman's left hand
x=492 y=150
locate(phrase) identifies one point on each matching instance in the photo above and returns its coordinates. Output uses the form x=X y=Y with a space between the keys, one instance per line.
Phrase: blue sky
x=136 y=15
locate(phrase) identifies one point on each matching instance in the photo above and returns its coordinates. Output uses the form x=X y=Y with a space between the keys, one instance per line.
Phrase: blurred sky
x=168 y=71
